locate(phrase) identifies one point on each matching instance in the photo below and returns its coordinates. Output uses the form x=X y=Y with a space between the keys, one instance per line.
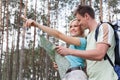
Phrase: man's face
x=82 y=21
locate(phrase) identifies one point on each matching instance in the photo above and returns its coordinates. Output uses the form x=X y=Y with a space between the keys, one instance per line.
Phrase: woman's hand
x=29 y=22
x=55 y=65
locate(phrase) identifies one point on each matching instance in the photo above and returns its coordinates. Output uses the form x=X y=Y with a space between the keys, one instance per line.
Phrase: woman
x=76 y=41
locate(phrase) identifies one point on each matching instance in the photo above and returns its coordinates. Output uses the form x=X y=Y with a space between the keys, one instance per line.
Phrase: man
x=97 y=67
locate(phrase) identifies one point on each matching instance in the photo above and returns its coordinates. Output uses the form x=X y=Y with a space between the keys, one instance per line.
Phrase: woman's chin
x=73 y=35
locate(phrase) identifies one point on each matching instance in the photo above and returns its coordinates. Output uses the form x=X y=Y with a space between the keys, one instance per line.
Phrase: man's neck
x=92 y=25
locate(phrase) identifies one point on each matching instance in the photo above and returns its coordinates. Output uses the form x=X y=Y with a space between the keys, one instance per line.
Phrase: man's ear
x=86 y=15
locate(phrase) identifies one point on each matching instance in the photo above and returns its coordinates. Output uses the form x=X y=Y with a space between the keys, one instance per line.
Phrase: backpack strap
x=109 y=60
x=97 y=31
x=96 y=36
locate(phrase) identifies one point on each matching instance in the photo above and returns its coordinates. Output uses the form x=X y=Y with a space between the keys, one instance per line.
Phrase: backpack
x=116 y=27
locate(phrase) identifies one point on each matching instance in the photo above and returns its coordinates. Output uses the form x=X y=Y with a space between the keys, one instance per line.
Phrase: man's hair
x=82 y=9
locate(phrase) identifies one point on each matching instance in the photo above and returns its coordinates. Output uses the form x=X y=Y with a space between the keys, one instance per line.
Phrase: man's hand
x=63 y=51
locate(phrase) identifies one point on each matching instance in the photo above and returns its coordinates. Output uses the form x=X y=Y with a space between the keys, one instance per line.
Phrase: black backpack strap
x=109 y=60
x=97 y=31
x=96 y=36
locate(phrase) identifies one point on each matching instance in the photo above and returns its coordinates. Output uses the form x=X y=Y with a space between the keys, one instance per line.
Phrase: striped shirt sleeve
x=106 y=34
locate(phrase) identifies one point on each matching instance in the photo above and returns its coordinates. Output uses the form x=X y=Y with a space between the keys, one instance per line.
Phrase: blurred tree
x=101 y=10
x=1 y=38
x=22 y=56
x=114 y=6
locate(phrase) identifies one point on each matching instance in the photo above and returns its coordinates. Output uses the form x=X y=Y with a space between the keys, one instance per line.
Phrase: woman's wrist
x=36 y=24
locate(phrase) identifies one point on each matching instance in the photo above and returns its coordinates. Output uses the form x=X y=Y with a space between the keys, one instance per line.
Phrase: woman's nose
x=72 y=28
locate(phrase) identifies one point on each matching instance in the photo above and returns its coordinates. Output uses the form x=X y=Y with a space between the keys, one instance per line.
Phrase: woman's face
x=75 y=29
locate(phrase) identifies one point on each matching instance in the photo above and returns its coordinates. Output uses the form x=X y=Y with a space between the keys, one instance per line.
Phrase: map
x=61 y=61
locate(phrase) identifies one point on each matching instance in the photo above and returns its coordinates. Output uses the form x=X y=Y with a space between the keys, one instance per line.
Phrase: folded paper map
x=61 y=61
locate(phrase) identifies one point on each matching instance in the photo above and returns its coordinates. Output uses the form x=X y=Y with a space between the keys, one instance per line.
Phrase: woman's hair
x=83 y=9
x=72 y=21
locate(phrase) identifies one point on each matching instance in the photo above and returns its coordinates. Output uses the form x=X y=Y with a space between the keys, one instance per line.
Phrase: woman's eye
x=75 y=25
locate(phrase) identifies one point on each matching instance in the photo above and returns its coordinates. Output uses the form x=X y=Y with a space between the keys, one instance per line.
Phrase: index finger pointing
x=23 y=17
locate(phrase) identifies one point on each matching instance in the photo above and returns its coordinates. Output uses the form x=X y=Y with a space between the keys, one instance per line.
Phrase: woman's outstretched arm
x=52 y=32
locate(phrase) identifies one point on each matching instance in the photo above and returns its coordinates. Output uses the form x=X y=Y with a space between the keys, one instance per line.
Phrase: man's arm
x=94 y=54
